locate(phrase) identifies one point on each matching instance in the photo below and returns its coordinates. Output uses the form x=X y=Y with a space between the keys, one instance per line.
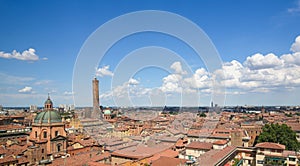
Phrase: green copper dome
x=50 y=116
x=48 y=101
x=107 y=112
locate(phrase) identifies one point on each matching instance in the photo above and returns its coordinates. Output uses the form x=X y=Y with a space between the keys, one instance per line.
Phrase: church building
x=48 y=135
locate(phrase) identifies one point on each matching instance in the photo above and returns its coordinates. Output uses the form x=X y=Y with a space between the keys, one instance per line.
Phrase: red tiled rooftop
x=11 y=127
x=85 y=143
x=80 y=159
x=93 y=163
x=167 y=161
x=167 y=153
x=270 y=145
x=214 y=156
x=7 y=159
x=181 y=143
x=140 y=151
x=200 y=145
x=220 y=142
x=294 y=126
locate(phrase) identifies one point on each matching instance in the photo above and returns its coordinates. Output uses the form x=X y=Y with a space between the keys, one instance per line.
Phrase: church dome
x=48 y=101
x=107 y=112
x=48 y=117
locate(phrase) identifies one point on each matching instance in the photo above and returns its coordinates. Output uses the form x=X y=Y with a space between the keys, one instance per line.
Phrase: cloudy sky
x=258 y=43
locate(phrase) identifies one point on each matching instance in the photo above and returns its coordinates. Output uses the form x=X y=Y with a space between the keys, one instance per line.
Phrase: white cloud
x=133 y=81
x=199 y=80
x=23 y=99
x=27 y=55
x=257 y=74
x=262 y=73
x=230 y=74
x=130 y=87
x=104 y=71
x=26 y=89
x=176 y=66
x=43 y=82
x=68 y=93
x=291 y=59
x=295 y=9
x=14 y=80
x=259 y=61
x=296 y=45
x=172 y=83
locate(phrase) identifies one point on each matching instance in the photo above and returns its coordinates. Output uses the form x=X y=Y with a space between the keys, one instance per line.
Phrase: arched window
x=58 y=147
x=45 y=134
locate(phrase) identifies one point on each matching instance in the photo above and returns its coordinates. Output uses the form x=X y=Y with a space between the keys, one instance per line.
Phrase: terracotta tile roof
x=221 y=133
x=199 y=145
x=93 y=163
x=3 y=150
x=87 y=143
x=214 y=156
x=7 y=159
x=101 y=157
x=294 y=126
x=220 y=142
x=13 y=150
x=140 y=151
x=11 y=127
x=165 y=138
x=181 y=143
x=79 y=159
x=168 y=161
x=167 y=153
x=23 y=160
x=202 y=132
x=287 y=153
x=270 y=145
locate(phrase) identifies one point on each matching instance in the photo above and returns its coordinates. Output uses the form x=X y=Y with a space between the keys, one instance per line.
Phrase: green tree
x=282 y=134
x=236 y=161
x=202 y=114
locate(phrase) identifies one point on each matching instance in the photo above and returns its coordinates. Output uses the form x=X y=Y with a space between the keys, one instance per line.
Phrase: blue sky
x=256 y=40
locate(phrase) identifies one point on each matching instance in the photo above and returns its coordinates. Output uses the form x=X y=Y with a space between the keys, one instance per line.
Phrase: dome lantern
x=48 y=104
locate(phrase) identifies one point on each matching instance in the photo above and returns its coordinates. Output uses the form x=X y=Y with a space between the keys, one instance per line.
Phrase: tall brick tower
x=96 y=109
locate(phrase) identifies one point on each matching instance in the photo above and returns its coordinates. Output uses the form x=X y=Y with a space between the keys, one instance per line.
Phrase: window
x=56 y=133
x=35 y=134
x=45 y=134
x=42 y=150
x=58 y=147
x=260 y=162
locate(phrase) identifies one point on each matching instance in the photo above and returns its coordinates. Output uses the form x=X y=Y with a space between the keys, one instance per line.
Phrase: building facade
x=48 y=135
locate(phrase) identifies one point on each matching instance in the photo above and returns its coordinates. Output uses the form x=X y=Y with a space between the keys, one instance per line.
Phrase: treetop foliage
x=281 y=134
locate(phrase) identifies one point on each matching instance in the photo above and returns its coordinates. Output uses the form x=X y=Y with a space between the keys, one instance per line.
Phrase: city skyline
x=258 y=42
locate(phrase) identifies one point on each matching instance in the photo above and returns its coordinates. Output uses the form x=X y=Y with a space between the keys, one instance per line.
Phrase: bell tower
x=96 y=106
